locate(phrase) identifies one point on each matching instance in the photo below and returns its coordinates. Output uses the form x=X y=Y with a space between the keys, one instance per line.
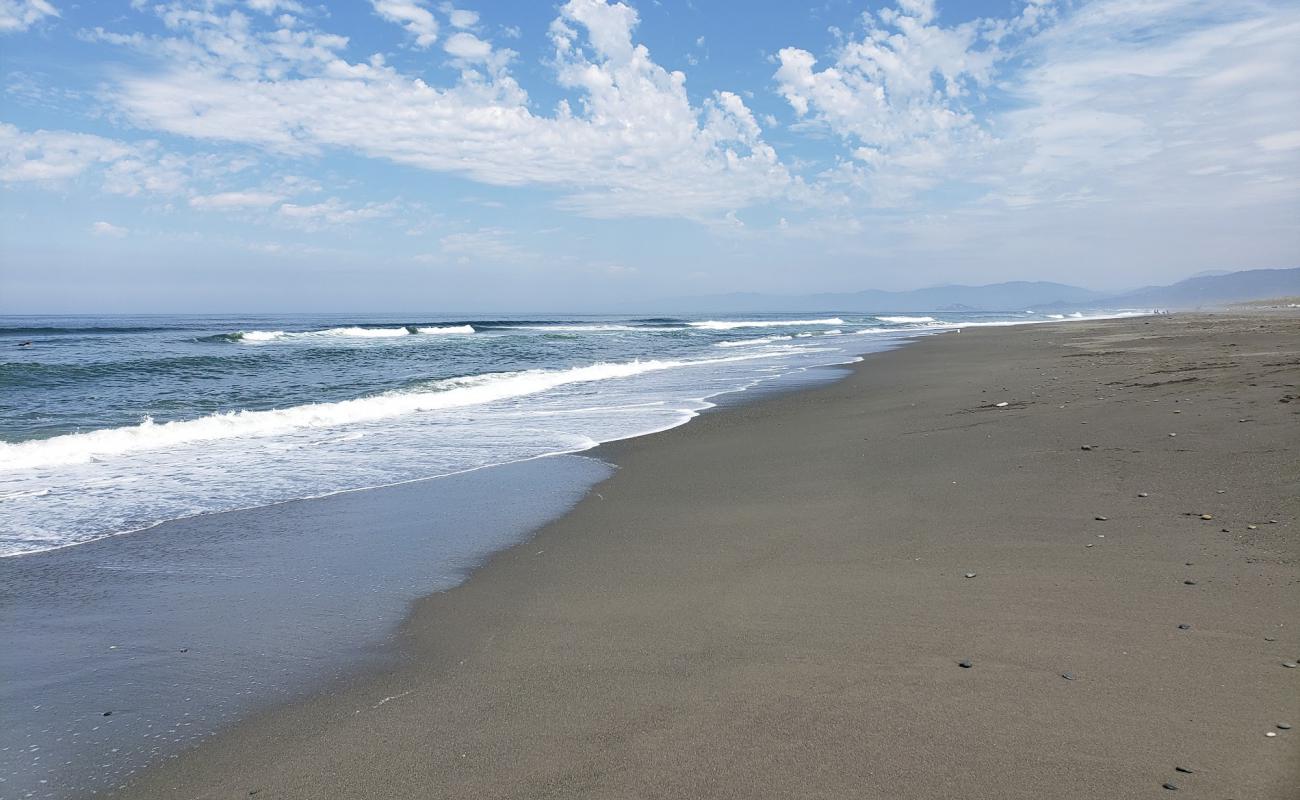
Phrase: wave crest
x=727 y=325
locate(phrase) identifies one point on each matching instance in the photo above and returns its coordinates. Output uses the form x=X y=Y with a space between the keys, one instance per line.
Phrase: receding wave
x=727 y=325
x=905 y=320
x=79 y=448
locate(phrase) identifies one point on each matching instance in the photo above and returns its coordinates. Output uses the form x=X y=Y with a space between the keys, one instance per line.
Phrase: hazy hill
x=1207 y=290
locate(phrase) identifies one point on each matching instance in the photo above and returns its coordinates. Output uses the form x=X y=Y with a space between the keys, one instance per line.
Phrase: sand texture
x=773 y=600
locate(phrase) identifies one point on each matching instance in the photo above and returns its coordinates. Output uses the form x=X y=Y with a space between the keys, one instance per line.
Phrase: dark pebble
x=1184 y=627
x=1100 y=518
x=1289 y=664
x=1069 y=676
x=1190 y=583
x=1284 y=726
x=1270 y=638
x=964 y=664
x=1086 y=447
x=1170 y=785
x=108 y=713
x=1184 y=770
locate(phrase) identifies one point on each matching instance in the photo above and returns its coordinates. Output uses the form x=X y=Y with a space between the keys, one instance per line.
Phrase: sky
x=394 y=155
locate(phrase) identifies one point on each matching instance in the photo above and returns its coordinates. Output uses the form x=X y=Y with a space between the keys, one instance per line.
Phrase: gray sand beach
x=776 y=599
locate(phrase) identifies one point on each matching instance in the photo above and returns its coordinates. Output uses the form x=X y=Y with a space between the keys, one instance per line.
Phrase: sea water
x=137 y=619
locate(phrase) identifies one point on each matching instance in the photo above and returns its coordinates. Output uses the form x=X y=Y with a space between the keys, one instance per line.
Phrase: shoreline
x=444 y=626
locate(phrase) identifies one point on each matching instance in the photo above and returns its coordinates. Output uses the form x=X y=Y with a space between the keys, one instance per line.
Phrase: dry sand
x=771 y=601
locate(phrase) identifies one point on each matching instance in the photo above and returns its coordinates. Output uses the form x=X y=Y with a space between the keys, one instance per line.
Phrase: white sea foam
x=905 y=320
x=1056 y=316
x=80 y=448
x=591 y=328
x=260 y=336
x=727 y=325
x=749 y=342
x=352 y=332
x=1077 y=315
x=448 y=329
x=833 y=332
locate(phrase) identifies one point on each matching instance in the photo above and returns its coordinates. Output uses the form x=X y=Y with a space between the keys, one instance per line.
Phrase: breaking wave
x=727 y=325
x=80 y=448
x=905 y=320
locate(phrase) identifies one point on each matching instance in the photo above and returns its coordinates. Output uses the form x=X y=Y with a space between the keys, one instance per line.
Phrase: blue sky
x=273 y=155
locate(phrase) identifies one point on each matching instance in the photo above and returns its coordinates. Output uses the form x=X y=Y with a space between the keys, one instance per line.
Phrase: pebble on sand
x=1284 y=726
x=1252 y=527
x=1086 y=447
x=1184 y=770
x=970 y=574
x=1069 y=676
x=1289 y=664
x=1184 y=627
x=1143 y=494
x=1271 y=734
x=1100 y=518
x=1170 y=785
x=1173 y=434
x=1190 y=582
x=965 y=664
x=1207 y=516
x=1003 y=404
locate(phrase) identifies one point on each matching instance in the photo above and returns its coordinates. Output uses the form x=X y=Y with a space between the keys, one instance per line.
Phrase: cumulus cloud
x=19 y=15
x=1108 y=99
x=411 y=15
x=634 y=145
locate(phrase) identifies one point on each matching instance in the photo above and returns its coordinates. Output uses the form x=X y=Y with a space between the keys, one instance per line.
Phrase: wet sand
x=772 y=601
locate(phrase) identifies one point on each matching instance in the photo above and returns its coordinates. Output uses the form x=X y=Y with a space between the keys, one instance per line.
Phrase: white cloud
x=635 y=145
x=467 y=46
x=332 y=212
x=484 y=245
x=459 y=17
x=1109 y=100
x=53 y=156
x=108 y=229
x=411 y=15
x=899 y=94
x=19 y=15
x=231 y=201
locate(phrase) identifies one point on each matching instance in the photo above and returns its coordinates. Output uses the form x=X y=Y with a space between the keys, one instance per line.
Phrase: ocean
x=114 y=424
x=165 y=567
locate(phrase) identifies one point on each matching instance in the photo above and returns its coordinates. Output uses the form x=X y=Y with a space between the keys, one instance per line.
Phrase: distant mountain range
x=1207 y=289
